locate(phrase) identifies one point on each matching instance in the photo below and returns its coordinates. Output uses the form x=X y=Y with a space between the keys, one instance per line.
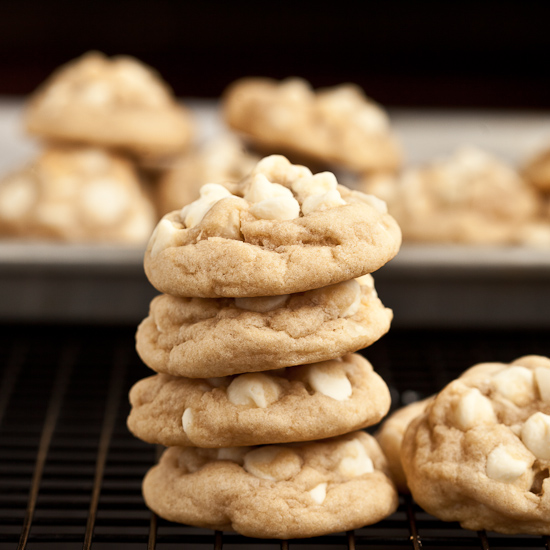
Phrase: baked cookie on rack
x=276 y=491
x=281 y=230
x=480 y=454
x=77 y=194
x=339 y=125
x=301 y=403
x=219 y=160
x=470 y=197
x=110 y=102
x=202 y=337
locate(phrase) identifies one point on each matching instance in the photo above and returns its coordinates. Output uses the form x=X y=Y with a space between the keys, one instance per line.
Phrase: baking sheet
x=425 y=285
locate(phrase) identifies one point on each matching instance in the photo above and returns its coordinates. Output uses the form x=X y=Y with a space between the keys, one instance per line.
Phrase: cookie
x=470 y=197
x=220 y=160
x=110 y=102
x=338 y=125
x=278 y=491
x=201 y=337
x=390 y=437
x=77 y=194
x=480 y=454
x=281 y=230
x=301 y=403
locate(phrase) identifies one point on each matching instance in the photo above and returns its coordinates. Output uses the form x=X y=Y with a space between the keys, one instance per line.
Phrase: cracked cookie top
x=280 y=230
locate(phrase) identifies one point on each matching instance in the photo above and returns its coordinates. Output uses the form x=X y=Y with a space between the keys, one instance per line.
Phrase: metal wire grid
x=70 y=472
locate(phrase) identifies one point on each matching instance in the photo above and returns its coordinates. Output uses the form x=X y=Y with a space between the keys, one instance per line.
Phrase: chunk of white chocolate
x=542 y=377
x=210 y=194
x=516 y=384
x=104 y=200
x=16 y=197
x=319 y=184
x=319 y=493
x=261 y=189
x=473 y=409
x=317 y=203
x=255 y=389
x=356 y=461
x=164 y=236
x=186 y=419
x=262 y=304
x=535 y=434
x=274 y=463
x=276 y=208
x=330 y=379
x=355 y=294
x=503 y=466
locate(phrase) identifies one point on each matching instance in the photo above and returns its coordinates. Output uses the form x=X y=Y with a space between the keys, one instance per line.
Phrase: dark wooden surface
x=403 y=53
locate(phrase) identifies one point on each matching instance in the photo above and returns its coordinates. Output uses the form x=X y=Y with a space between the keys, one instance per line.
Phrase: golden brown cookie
x=201 y=337
x=76 y=194
x=276 y=491
x=282 y=230
x=110 y=102
x=470 y=197
x=302 y=403
x=217 y=161
x=338 y=125
x=480 y=454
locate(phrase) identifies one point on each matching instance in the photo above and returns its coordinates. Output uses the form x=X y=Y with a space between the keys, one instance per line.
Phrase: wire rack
x=70 y=472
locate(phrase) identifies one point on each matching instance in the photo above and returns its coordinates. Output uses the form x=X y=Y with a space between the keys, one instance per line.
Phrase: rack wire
x=70 y=472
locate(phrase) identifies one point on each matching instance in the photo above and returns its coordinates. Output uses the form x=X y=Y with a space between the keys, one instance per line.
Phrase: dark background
x=403 y=53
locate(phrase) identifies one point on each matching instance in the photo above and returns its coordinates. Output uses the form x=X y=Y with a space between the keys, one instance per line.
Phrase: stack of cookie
x=100 y=120
x=267 y=292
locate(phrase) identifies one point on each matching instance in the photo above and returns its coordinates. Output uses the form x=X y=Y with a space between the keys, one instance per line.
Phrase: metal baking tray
x=425 y=285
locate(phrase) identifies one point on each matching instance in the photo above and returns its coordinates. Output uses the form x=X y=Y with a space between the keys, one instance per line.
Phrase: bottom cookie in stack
x=275 y=491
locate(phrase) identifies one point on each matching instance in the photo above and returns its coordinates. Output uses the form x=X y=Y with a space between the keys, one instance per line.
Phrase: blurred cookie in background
x=325 y=128
x=110 y=102
x=219 y=160
x=469 y=197
x=76 y=194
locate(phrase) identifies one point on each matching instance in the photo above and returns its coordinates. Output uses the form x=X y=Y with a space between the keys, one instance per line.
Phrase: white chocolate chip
x=255 y=388
x=542 y=377
x=535 y=434
x=372 y=200
x=104 y=200
x=356 y=462
x=97 y=93
x=318 y=203
x=355 y=294
x=164 y=236
x=262 y=304
x=319 y=184
x=211 y=193
x=272 y=462
x=329 y=378
x=516 y=384
x=366 y=280
x=473 y=409
x=261 y=189
x=16 y=197
x=503 y=466
x=277 y=208
x=233 y=454
x=186 y=419
x=319 y=493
